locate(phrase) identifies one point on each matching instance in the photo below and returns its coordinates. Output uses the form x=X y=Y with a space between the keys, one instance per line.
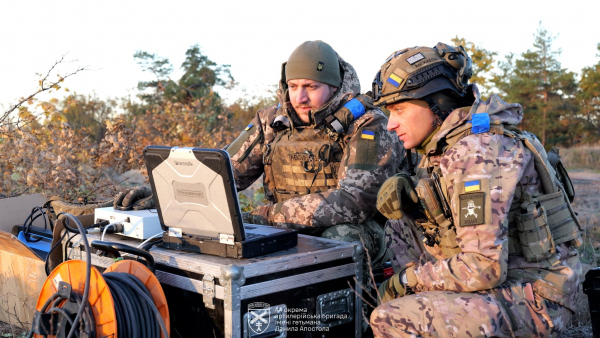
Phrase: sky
x=255 y=37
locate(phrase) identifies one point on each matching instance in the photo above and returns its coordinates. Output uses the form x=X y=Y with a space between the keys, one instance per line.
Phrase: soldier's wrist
x=410 y=277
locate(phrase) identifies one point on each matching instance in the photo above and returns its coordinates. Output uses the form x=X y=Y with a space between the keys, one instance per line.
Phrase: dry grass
x=587 y=157
x=587 y=205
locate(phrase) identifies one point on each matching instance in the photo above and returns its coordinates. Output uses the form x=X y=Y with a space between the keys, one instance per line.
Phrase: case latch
x=208 y=291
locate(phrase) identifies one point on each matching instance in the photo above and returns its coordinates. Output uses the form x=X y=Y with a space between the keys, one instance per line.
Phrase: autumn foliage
x=82 y=147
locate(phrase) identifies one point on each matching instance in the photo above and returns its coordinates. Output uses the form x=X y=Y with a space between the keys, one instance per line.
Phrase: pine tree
x=588 y=99
x=546 y=91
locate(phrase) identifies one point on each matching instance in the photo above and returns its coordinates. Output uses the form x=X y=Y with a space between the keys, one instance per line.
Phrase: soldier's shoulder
x=372 y=117
x=267 y=115
x=269 y=111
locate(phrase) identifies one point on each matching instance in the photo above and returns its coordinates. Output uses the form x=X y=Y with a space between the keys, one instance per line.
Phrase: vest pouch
x=563 y=223
x=430 y=201
x=534 y=233
x=447 y=242
x=282 y=195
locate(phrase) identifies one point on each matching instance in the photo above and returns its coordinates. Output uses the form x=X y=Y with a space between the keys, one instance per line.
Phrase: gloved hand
x=258 y=215
x=137 y=198
x=396 y=192
x=391 y=289
x=398 y=285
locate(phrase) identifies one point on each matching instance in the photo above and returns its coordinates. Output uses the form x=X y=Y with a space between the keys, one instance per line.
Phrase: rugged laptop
x=196 y=199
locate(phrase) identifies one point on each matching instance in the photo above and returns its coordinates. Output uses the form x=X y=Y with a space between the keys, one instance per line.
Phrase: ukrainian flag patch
x=472 y=186
x=248 y=127
x=395 y=80
x=368 y=135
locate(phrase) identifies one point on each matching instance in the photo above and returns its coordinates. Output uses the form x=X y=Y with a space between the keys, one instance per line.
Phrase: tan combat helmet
x=419 y=73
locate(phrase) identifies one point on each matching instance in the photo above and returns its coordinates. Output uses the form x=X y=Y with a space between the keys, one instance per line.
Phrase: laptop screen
x=194 y=191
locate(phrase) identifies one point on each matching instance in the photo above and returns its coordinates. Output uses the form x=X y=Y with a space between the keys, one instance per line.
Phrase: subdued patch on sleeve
x=367 y=150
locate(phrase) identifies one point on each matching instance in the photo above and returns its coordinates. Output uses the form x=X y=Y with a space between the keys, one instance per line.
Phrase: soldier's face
x=307 y=95
x=412 y=121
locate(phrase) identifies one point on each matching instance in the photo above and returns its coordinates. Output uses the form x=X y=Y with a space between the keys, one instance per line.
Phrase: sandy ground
x=587 y=204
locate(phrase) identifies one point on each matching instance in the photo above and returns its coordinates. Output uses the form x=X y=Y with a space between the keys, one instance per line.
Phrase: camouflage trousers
x=510 y=310
x=369 y=232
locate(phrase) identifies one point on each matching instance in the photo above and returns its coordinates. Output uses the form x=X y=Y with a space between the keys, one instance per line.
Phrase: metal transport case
x=306 y=291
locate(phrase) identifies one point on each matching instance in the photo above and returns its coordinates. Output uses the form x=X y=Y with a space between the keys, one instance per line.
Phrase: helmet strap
x=436 y=109
x=411 y=164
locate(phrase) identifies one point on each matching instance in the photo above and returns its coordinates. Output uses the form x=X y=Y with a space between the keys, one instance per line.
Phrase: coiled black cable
x=137 y=316
x=86 y=289
x=29 y=223
x=136 y=313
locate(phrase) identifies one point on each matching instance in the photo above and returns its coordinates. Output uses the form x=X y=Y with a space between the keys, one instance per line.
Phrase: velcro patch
x=471 y=186
x=367 y=151
x=415 y=58
x=472 y=209
x=248 y=127
x=368 y=135
x=395 y=80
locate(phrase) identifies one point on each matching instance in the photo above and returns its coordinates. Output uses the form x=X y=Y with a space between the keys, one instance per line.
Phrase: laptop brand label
x=190 y=193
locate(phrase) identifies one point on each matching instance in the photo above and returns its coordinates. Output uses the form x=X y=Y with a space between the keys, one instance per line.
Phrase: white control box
x=141 y=224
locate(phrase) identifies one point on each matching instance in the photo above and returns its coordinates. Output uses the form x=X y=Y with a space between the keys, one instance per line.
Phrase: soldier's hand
x=391 y=289
x=258 y=215
x=137 y=198
x=395 y=193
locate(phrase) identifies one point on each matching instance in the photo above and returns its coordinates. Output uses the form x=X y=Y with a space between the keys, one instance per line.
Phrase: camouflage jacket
x=504 y=168
x=359 y=176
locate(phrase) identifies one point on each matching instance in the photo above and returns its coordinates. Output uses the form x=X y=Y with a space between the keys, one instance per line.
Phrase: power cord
x=137 y=315
x=29 y=223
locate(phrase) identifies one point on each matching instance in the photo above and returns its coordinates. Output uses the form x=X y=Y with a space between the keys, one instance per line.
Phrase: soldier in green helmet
x=323 y=149
x=482 y=237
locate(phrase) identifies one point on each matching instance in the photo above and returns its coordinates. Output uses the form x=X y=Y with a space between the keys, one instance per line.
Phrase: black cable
x=55 y=304
x=66 y=225
x=46 y=268
x=135 y=311
x=134 y=304
x=147 y=246
x=29 y=223
x=88 y=271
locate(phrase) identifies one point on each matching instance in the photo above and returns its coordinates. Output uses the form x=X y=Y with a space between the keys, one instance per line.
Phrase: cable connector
x=114 y=228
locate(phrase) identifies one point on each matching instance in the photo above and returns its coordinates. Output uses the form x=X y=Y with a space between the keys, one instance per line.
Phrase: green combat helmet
x=437 y=75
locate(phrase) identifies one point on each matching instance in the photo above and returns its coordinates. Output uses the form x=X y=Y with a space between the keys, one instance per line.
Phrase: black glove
x=259 y=215
x=137 y=198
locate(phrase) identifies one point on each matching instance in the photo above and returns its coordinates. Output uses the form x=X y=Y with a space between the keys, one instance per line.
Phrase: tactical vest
x=537 y=224
x=305 y=160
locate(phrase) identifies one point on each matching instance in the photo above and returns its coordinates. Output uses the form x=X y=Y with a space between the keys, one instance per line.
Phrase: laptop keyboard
x=250 y=235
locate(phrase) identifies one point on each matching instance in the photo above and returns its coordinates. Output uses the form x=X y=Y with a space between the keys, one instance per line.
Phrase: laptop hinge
x=208 y=291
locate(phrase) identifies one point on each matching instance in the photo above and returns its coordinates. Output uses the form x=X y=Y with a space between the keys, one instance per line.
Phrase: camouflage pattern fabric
x=471 y=314
x=403 y=240
x=504 y=169
x=353 y=198
x=371 y=234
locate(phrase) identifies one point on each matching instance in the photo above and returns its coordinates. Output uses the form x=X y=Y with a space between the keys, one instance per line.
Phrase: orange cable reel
x=100 y=298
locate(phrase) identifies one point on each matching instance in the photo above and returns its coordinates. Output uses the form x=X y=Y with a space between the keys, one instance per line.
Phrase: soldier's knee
x=374 y=320
x=340 y=233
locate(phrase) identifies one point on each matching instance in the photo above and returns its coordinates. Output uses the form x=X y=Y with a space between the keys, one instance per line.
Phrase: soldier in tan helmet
x=323 y=149
x=483 y=238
